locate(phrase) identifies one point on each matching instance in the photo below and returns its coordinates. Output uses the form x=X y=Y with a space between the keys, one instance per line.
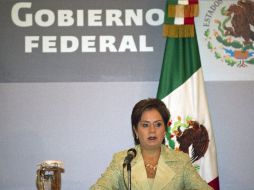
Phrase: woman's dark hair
x=144 y=105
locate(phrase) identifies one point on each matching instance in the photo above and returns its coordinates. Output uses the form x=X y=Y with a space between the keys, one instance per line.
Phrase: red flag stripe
x=215 y=183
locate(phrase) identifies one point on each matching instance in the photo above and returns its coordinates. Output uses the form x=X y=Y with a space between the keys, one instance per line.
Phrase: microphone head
x=132 y=151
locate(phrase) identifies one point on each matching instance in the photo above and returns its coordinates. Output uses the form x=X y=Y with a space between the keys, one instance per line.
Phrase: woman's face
x=151 y=130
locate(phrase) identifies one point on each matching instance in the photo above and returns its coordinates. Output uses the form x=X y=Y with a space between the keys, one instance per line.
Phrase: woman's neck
x=151 y=155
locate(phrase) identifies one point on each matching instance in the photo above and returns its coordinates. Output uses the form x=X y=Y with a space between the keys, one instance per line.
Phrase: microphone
x=131 y=153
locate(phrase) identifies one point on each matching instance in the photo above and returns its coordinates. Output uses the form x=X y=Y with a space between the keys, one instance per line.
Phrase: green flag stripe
x=181 y=59
x=172 y=2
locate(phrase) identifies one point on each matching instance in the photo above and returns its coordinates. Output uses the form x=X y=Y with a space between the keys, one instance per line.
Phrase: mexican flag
x=181 y=88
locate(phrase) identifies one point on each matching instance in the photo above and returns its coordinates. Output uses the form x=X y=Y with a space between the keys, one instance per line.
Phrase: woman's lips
x=152 y=138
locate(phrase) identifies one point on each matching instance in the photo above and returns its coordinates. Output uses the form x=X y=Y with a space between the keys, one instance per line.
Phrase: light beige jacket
x=174 y=172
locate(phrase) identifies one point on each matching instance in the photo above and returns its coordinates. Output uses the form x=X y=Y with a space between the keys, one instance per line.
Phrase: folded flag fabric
x=179 y=18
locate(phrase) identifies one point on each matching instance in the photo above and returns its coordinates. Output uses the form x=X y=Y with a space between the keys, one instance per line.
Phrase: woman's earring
x=136 y=136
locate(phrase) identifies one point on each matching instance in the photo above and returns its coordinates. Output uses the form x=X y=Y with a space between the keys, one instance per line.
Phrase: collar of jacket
x=164 y=173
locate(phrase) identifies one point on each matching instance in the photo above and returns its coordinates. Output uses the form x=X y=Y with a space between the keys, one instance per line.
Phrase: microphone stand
x=129 y=175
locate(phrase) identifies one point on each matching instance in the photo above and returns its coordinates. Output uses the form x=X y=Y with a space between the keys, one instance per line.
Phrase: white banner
x=225 y=30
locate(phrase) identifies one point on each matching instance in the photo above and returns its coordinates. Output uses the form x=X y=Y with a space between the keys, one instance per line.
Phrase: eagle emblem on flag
x=189 y=135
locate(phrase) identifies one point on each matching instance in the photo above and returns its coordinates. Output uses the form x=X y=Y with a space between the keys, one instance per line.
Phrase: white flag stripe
x=183 y=2
x=179 y=21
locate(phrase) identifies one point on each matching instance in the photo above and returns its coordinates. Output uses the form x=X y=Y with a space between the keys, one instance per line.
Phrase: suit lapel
x=164 y=173
x=139 y=178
